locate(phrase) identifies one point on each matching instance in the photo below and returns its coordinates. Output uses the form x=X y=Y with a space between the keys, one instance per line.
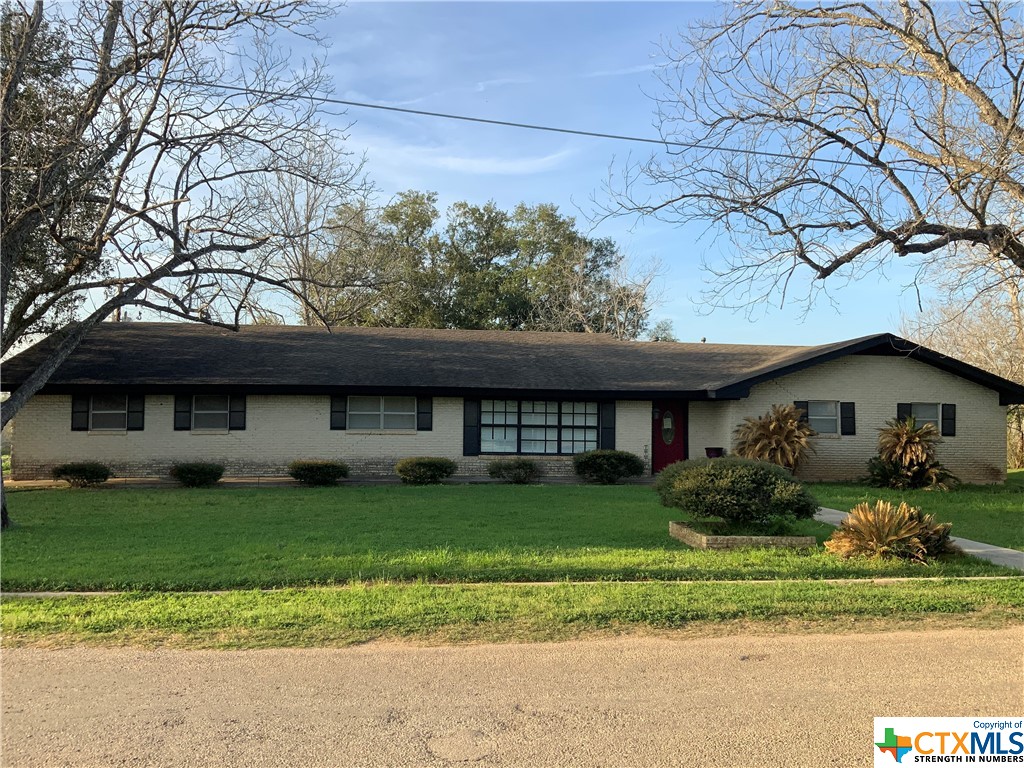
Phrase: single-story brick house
x=140 y=396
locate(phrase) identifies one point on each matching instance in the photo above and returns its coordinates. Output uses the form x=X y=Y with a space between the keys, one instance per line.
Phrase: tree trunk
x=5 y=519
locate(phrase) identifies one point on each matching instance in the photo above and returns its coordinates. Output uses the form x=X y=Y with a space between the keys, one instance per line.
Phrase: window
x=499 y=421
x=537 y=426
x=108 y=412
x=210 y=412
x=925 y=413
x=381 y=413
x=823 y=416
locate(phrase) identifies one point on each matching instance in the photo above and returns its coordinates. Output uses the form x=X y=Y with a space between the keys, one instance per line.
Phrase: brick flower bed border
x=687 y=535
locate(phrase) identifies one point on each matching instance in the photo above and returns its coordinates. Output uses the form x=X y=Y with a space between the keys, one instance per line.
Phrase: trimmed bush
x=738 y=491
x=516 y=471
x=314 y=472
x=425 y=470
x=82 y=474
x=607 y=467
x=197 y=474
x=883 y=531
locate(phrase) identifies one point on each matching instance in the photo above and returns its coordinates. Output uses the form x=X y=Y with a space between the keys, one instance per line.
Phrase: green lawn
x=224 y=538
x=492 y=612
x=993 y=514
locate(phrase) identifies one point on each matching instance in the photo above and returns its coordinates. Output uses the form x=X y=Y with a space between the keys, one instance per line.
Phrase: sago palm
x=881 y=531
x=904 y=443
x=780 y=436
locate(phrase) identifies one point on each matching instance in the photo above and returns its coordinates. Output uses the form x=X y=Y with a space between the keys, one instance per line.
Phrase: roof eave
x=1010 y=393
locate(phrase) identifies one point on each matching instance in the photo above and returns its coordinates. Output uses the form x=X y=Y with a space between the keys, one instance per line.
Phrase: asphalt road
x=782 y=700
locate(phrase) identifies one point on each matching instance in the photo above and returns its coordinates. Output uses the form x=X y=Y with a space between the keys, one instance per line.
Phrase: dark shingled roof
x=169 y=357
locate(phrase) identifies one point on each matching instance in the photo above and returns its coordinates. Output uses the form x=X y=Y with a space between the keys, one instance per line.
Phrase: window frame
x=836 y=418
x=936 y=422
x=382 y=413
x=565 y=421
x=93 y=410
x=227 y=415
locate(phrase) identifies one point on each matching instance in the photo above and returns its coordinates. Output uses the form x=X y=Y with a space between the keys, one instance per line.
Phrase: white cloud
x=387 y=154
x=634 y=70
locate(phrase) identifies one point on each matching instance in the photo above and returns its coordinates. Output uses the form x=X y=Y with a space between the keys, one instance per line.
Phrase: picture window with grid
x=538 y=426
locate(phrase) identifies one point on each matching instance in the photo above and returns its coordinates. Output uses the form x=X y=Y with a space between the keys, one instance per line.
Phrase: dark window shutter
x=847 y=419
x=607 y=417
x=80 y=413
x=236 y=413
x=948 y=420
x=136 y=412
x=339 y=411
x=470 y=427
x=801 y=405
x=904 y=411
x=424 y=414
x=182 y=412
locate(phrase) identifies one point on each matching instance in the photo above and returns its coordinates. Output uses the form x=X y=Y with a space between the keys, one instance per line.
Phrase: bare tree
x=330 y=252
x=616 y=301
x=986 y=331
x=828 y=139
x=127 y=175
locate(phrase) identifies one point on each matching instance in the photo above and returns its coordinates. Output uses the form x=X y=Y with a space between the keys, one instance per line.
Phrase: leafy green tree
x=485 y=268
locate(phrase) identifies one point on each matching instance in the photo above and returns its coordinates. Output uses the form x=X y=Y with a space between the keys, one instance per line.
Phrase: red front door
x=668 y=433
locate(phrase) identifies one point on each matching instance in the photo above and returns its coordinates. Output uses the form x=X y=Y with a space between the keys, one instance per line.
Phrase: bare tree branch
x=901 y=122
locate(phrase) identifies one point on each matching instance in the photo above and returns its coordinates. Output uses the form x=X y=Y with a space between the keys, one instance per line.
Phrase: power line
x=527 y=126
x=508 y=123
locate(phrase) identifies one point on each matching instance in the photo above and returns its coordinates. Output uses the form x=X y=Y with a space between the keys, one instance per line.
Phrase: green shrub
x=665 y=482
x=425 y=470
x=197 y=474
x=517 y=471
x=315 y=472
x=607 y=467
x=885 y=532
x=82 y=473
x=738 y=491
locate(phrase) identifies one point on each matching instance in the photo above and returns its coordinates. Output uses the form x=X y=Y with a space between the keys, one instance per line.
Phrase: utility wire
x=507 y=123
x=528 y=126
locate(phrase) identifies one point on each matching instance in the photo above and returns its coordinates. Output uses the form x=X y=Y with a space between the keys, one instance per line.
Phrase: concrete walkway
x=1010 y=558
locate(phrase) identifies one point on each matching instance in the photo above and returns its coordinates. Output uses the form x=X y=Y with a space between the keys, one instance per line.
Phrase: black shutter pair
x=947 y=417
x=80 y=413
x=847 y=416
x=183 y=413
x=424 y=413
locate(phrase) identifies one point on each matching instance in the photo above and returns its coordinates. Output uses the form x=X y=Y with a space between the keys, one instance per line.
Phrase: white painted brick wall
x=633 y=428
x=708 y=427
x=279 y=429
x=976 y=454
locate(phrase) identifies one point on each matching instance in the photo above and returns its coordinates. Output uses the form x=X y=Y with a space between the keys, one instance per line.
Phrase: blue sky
x=575 y=65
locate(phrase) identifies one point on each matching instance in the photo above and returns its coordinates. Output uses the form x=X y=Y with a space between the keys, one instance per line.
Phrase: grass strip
x=237 y=538
x=483 y=612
